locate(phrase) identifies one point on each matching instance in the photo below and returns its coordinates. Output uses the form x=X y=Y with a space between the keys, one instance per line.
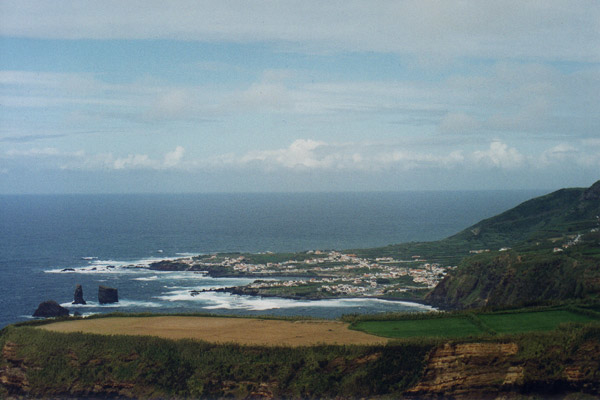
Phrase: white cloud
x=133 y=161
x=80 y=160
x=174 y=157
x=305 y=154
x=42 y=152
x=301 y=153
x=500 y=155
x=559 y=153
x=170 y=160
x=566 y=154
x=551 y=29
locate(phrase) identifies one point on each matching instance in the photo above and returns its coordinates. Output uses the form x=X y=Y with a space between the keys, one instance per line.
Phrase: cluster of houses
x=570 y=243
x=340 y=273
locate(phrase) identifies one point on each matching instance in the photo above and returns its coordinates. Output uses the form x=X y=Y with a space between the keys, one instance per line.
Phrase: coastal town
x=318 y=274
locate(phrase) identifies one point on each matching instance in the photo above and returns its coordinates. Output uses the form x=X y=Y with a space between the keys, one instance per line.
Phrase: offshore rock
x=169 y=265
x=50 y=308
x=107 y=295
x=78 y=296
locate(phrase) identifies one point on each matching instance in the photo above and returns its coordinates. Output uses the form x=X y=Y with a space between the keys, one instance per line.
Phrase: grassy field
x=531 y=321
x=439 y=327
x=454 y=326
x=248 y=331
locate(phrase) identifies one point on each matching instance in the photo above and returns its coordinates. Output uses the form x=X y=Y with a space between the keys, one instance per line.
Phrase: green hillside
x=520 y=278
x=565 y=211
x=556 y=255
x=553 y=216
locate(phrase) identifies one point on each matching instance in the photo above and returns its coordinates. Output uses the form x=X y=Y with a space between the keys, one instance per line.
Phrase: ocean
x=41 y=235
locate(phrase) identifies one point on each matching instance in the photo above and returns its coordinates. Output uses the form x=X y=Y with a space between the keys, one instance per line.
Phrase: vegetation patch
x=86 y=365
x=436 y=327
x=464 y=324
x=531 y=321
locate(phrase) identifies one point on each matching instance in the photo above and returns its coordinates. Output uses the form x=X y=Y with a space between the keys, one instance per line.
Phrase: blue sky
x=228 y=96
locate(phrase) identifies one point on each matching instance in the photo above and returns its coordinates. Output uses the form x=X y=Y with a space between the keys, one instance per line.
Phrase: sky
x=295 y=96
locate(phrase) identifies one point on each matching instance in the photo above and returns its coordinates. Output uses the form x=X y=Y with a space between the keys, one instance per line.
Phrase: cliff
x=517 y=278
x=556 y=364
x=503 y=370
x=470 y=370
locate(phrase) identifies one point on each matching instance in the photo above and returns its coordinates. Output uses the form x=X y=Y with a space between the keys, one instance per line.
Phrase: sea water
x=42 y=235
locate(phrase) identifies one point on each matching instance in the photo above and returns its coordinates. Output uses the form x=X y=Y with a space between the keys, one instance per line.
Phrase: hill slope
x=556 y=255
x=521 y=278
x=564 y=212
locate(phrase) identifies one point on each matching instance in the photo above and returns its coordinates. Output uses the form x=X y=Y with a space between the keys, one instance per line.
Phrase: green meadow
x=470 y=324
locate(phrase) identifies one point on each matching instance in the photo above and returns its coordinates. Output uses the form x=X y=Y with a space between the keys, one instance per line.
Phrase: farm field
x=454 y=326
x=531 y=321
x=248 y=331
x=438 y=327
x=273 y=332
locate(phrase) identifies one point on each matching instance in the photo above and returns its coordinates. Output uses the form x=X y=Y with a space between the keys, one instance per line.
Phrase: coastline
x=237 y=291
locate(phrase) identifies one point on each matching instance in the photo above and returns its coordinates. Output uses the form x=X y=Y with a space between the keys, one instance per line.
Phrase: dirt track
x=223 y=330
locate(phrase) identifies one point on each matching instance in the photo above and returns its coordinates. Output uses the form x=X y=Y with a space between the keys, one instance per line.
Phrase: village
x=325 y=274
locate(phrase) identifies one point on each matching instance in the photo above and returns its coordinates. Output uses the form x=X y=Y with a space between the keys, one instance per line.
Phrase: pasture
x=463 y=325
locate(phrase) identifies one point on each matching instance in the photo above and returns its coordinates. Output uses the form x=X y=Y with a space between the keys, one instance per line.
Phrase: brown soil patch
x=248 y=331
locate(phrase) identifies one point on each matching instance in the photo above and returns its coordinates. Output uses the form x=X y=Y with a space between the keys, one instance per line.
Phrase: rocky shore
x=248 y=291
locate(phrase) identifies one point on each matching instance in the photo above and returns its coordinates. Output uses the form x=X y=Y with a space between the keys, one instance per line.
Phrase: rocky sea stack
x=107 y=295
x=78 y=296
x=50 y=308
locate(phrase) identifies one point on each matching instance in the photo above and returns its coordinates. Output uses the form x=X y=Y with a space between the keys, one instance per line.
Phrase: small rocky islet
x=51 y=309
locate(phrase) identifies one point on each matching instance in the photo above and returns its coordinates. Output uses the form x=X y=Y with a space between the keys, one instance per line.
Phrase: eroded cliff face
x=13 y=375
x=470 y=370
x=497 y=371
x=14 y=378
x=481 y=370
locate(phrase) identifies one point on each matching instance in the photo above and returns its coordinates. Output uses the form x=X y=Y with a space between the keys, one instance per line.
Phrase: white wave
x=147 y=278
x=87 y=314
x=216 y=300
x=184 y=275
x=96 y=269
x=97 y=266
x=120 y=303
x=177 y=295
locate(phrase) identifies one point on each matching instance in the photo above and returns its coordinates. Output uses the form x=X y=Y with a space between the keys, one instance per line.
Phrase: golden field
x=247 y=331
